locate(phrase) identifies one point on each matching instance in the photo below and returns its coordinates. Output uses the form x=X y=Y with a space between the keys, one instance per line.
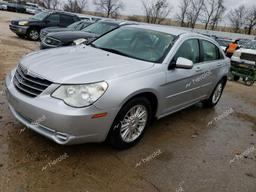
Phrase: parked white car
x=245 y=55
x=114 y=88
x=3 y=7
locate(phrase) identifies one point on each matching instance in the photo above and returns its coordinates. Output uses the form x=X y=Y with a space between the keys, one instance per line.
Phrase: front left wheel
x=131 y=123
x=33 y=34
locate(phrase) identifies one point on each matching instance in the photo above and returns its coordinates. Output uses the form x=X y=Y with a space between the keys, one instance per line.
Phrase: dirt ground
x=195 y=150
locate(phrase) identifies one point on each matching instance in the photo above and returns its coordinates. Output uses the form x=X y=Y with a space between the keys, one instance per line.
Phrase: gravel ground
x=195 y=150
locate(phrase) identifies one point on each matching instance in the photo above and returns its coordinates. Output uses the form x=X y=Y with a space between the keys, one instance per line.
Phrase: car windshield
x=74 y=25
x=250 y=45
x=40 y=16
x=142 y=44
x=100 y=28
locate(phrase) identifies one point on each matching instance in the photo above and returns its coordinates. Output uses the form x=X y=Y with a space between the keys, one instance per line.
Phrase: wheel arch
x=149 y=94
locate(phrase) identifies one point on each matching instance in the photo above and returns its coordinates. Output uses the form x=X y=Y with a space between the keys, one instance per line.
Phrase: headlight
x=237 y=54
x=80 y=95
x=51 y=41
x=23 y=23
x=80 y=41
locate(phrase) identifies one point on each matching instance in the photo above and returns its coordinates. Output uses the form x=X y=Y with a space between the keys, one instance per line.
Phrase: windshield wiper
x=113 y=51
x=93 y=45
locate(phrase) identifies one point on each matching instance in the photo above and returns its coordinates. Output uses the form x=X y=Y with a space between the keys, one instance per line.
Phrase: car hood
x=70 y=36
x=249 y=51
x=56 y=29
x=16 y=21
x=81 y=64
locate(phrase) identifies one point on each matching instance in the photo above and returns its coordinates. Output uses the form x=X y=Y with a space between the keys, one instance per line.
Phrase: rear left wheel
x=131 y=123
x=216 y=95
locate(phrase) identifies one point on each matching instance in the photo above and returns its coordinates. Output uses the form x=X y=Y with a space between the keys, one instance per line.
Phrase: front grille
x=249 y=57
x=29 y=85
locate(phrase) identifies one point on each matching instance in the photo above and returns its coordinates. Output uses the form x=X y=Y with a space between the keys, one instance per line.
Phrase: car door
x=213 y=60
x=53 y=20
x=185 y=87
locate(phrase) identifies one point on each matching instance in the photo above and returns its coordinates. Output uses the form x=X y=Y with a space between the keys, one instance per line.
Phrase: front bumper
x=44 y=45
x=21 y=30
x=55 y=120
x=237 y=60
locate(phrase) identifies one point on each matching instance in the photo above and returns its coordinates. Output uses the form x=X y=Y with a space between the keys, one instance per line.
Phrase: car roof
x=61 y=12
x=165 y=29
x=118 y=22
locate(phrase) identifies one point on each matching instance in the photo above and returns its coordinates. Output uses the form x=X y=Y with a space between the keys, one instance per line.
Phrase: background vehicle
x=89 y=17
x=3 y=5
x=31 y=27
x=77 y=26
x=243 y=64
x=32 y=8
x=16 y=7
x=224 y=43
x=115 y=87
x=244 y=42
x=89 y=34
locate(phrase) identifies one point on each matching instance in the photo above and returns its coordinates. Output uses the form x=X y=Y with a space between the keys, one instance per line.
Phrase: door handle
x=198 y=69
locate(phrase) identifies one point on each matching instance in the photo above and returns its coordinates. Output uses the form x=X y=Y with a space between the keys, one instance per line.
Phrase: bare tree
x=213 y=11
x=250 y=19
x=220 y=10
x=50 y=4
x=183 y=10
x=156 y=11
x=194 y=12
x=110 y=8
x=237 y=17
x=76 y=6
x=209 y=8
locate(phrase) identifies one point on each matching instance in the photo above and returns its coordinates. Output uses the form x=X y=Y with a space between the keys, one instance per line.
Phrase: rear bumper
x=55 y=120
x=21 y=30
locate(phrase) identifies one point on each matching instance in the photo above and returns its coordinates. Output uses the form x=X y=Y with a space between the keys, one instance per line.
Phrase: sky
x=134 y=7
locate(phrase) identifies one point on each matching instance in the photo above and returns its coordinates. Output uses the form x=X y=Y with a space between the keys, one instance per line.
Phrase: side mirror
x=80 y=41
x=184 y=63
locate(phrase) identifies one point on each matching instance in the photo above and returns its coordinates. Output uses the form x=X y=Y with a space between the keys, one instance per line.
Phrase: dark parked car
x=89 y=34
x=16 y=7
x=31 y=27
x=77 y=26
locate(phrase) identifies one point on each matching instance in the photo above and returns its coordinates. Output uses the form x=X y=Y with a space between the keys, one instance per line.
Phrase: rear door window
x=54 y=19
x=210 y=51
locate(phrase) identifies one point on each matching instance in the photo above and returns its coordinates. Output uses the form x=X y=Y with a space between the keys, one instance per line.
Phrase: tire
x=249 y=82
x=230 y=76
x=215 y=96
x=122 y=135
x=33 y=34
x=236 y=78
x=21 y=36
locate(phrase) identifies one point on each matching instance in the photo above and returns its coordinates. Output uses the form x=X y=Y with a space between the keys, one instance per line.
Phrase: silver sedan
x=114 y=88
